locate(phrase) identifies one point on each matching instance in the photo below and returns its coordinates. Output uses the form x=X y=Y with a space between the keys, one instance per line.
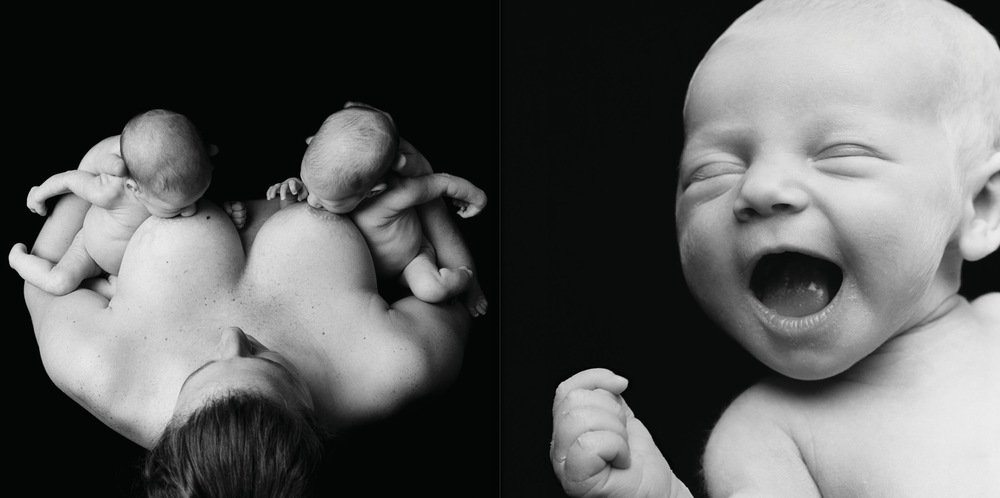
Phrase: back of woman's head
x=241 y=445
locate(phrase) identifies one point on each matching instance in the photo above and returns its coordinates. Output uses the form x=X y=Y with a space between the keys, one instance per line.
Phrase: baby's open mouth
x=794 y=284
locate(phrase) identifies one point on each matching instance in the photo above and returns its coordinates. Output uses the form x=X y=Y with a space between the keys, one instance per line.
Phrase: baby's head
x=168 y=165
x=348 y=158
x=840 y=162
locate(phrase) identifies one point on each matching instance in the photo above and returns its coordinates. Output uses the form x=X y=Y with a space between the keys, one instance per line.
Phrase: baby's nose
x=768 y=189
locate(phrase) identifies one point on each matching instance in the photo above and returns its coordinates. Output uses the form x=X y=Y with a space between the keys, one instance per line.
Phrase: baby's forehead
x=869 y=13
x=918 y=35
x=932 y=26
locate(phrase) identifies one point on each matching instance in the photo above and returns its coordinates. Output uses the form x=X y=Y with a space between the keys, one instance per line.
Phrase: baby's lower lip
x=792 y=325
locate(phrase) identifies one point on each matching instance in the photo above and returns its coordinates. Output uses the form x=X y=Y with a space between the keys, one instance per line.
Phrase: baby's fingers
x=584 y=412
x=467 y=210
x=592 y=452
x=594 y=378
x=272 y=191
x=38 y=208
x=288 y=186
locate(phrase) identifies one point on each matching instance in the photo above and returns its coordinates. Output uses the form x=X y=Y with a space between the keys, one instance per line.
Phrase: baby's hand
x=237 y=212
x=472 y=206
x=599 y=448
x=292 y=185
x=36 y=202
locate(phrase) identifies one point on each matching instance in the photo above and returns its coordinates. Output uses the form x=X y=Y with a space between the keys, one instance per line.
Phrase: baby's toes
x=477 y=306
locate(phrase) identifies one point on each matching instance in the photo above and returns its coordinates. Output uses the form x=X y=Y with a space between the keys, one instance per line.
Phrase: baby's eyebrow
x=719 y=132
x=734 y=138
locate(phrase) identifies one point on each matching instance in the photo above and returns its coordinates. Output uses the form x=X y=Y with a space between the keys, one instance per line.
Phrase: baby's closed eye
x=848 y=159
x=846 y=150
x=714 y=169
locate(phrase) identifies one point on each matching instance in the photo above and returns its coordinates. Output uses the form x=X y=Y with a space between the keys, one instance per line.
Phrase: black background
x=569 y=118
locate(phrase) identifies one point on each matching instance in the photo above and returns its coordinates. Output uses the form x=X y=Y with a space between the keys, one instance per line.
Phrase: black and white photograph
x=524 y=250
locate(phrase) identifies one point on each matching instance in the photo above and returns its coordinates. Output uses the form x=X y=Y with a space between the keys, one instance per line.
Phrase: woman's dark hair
x=240 y=445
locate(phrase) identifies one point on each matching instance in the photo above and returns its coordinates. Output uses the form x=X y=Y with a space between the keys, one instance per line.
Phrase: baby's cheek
x=699 y=252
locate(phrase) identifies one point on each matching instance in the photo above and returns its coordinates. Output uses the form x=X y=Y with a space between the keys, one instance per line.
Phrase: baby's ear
x=376 y=190
x=981 y=222
x=132 y=186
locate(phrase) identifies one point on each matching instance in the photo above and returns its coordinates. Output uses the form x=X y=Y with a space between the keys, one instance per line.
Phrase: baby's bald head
x=959 y=58
x=163 y=151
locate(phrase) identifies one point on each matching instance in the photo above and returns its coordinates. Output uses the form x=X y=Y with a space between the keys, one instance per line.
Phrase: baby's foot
x=237 y=212
x=475 y=300
x=447 y=284
x=16 y=253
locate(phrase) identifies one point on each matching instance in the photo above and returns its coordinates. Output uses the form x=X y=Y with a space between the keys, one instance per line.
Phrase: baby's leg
x=57 y=279
x=431 y=284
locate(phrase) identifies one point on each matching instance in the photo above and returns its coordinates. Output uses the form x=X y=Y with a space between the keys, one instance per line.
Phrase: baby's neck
x=940 y=341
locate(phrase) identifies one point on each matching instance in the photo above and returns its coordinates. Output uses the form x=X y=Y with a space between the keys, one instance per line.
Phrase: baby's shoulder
x=987 y=306
x=773 y=393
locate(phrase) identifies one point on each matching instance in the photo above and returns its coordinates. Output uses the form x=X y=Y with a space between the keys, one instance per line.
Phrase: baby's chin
x=816 y=358
x=808 y=367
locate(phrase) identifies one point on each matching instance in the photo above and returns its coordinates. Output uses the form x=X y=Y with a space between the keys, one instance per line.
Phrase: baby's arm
x=411 y=192
x=99 y=189
x=599 y=448
x=751 y=452
x=440 y=229
x=105 y=157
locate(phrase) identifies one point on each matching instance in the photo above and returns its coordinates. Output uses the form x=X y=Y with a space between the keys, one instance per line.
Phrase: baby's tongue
x=794 y=284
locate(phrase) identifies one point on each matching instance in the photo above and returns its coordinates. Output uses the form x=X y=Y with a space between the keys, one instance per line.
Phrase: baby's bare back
x=394 y=238
x=106 y=233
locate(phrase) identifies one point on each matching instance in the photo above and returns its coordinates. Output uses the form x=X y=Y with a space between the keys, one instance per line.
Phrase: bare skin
x=399 y=219
x=391 y=225
x=118 y=207
x=187 y=281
